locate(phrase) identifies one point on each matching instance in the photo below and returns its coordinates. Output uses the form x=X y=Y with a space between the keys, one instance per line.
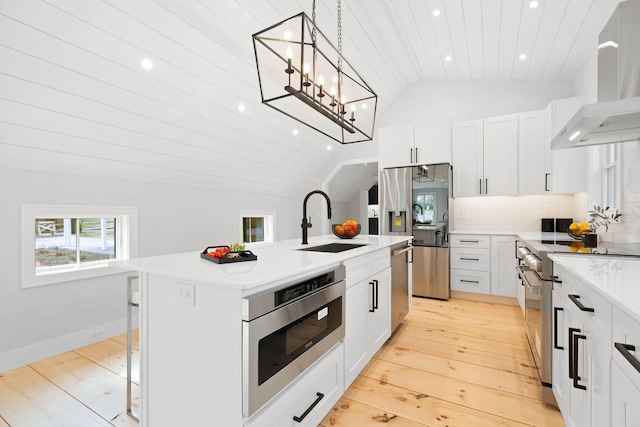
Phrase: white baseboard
x=33 y=353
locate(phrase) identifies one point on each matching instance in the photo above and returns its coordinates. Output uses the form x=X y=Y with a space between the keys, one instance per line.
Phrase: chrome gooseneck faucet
x=306 y=224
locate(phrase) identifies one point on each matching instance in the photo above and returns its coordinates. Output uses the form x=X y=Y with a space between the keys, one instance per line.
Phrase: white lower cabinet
x=625 y=371
x=560 y=342
x=504 y=278
x=625 y=398
x=309 y=399
x=368 y=321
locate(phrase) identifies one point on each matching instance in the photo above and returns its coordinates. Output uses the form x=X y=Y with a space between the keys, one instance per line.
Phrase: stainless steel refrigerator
x=416 y=201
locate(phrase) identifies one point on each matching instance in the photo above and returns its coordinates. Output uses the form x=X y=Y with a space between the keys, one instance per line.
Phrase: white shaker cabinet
x=414 y=144
x=484 y=155
x=533 y=177
x=625 y=371
x=504 y=278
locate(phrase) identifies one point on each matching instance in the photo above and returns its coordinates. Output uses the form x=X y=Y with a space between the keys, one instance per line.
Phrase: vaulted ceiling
x=74 y=97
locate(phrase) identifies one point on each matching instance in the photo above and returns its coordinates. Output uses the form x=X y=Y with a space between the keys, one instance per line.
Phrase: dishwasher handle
x=398 y=252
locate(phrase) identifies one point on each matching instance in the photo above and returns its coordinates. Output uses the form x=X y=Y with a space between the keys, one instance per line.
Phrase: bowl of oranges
x=347 y=230
x=576 y=230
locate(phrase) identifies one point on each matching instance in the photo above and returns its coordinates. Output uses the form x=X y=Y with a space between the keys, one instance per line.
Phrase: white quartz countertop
x=276 y=261
x=615 y=278
x=524 y=235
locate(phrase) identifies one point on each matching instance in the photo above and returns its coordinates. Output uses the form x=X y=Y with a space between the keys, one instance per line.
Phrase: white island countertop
x=615 y=278
x=276 y=261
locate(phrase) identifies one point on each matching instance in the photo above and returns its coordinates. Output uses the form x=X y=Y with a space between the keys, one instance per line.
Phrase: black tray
x=241 y=256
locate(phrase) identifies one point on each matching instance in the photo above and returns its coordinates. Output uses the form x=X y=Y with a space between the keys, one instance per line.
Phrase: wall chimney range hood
x=616 y=116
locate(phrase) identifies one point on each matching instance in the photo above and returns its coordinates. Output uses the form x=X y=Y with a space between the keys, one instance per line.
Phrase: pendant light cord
x=339 y=36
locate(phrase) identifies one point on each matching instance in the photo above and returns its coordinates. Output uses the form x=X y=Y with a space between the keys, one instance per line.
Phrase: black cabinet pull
x=469 y=281
x=625 y=349
x=411 y=156
x=555 y=328
x=470 y=259
x=416 y=154
x=373 y=297
x=577 y=336
x=309 y=409
x=480 y=185
x=571 y=343
x=375 y=306
x=576 y=301
x=486 y=186
x=546 y=182
x=469 y=241
x=556 y=279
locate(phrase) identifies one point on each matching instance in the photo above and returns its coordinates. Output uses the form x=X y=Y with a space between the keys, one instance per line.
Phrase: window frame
x=269 y=225
x=126 y=241
x=434 y=195
x=608 y=164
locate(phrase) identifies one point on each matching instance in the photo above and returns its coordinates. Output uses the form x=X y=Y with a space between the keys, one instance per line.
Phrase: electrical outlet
x=186 y=294
x=97 y=335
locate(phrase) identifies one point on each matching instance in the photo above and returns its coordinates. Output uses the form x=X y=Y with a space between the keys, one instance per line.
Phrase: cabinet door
x=356 y=355
x=501 y=156
x=597 y=378
x=565 y=176
x=625 y=410
x=504 y=277
x=380 y=319
x=432 y=144
x=560 y=344
x=397 y=146
x=467 y=157
x=532 y=177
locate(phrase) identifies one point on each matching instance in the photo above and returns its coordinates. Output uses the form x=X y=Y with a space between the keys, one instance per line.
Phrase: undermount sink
x=333 y=247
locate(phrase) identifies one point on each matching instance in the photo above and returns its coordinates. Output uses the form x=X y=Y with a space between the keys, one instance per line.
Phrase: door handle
x=546 y=182
x=469 y=281
x=486 y=186
x=375 y=306
x=480 y=185
x=416 y=154
x=577 y=336
x=625 y=349
x=309 y=409
x=555 y=327
x=373 y=297
x=577 y=302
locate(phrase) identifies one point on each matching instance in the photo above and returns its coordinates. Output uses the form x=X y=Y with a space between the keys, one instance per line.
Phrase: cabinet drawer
x=471 y=281
x=326 y=379
x=471 y=259
x=599 y=321
x=562 y=285
x=626 y=330
x=359 y=268
x=480 y=241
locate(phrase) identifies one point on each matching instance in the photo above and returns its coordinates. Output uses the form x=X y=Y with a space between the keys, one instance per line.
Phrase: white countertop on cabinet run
x=276 y=261
x=615 y=278
x=524 y=235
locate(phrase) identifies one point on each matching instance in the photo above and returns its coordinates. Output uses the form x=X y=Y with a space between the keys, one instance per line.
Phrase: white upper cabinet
x=533 y=177
x=567 y=170
x=419 y=144
x=485 y=157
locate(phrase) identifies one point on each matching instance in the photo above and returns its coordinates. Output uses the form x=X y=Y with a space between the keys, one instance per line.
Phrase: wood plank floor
x=451 y=363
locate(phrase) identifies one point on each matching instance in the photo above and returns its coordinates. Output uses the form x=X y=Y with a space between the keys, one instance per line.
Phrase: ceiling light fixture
x=241 y=107
x=436 y=12
x=295 y=132
x=609 y=43
x=448 y=58
x=534 y=4
x=523 y=57
x=146 y=64
x=295 y=62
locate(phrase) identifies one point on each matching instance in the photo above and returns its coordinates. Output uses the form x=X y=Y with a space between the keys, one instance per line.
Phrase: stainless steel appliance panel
x=395 y=212
x=431 y=272
x=400 y=256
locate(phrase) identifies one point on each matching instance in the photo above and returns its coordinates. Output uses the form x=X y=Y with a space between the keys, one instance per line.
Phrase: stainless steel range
x=535 y=272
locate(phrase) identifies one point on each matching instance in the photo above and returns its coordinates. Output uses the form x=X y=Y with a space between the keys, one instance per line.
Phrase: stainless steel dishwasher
x=400 y=259
x=431 y=272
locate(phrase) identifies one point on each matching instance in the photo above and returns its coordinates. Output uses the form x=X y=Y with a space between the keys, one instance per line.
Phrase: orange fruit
x=351 y=222
x=349 y=231
x=340 y=230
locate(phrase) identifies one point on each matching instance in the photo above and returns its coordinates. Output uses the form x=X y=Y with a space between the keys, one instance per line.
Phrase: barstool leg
x=130 y=305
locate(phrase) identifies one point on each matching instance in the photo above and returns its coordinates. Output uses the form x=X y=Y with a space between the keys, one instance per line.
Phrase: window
x=257 y=226
x=611 y=175
x=64 y=243
x=427 y=203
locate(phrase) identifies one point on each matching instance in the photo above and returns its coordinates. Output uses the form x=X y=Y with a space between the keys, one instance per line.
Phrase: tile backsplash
x=522 y=213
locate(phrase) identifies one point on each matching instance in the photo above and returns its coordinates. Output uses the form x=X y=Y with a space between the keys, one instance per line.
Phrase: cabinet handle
x=625 y=349
x=309 y=409
x=577 y=336
x=486 y=186
x=469 y=241
x=480 y=185
x=556 y=279
x=571 y=344
x=411 y=156
x=555 y=328
x=416 y=154
x=469 y=281
x=373 y=297
x=575 y=300
x=546 y=182
x=377 y=291
x=470 y=259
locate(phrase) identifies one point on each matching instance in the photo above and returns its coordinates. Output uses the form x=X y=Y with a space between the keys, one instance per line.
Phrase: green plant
x=603 y=218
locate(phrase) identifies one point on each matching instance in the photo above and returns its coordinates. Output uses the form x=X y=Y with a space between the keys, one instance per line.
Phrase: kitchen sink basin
x=333 y=247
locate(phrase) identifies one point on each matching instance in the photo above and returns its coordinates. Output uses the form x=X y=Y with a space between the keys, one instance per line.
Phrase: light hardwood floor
x=451 y=363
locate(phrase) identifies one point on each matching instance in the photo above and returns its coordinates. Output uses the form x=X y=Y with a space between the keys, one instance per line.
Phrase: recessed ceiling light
x=294 y=132
x=241 y=107
x=534 y=4
x=436 y=12
x=146 y=64
x=364 y=106
x=447 y=58
x=523 y=57
x=329 y=147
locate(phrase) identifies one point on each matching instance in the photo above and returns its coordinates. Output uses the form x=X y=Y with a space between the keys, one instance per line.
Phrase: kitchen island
x=191 y=324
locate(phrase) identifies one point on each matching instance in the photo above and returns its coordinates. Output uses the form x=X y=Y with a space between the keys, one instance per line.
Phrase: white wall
x=42 y=321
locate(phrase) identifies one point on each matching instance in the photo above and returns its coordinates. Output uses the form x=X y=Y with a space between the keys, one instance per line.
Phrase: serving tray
x=229 y=257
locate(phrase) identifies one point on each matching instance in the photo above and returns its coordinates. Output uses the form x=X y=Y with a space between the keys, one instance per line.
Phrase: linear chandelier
x=302 y=75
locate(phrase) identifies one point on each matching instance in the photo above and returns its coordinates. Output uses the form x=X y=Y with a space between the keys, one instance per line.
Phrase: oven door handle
x=531 y=289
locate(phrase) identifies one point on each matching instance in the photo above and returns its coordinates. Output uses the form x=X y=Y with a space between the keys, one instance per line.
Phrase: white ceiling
x=75 y=98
